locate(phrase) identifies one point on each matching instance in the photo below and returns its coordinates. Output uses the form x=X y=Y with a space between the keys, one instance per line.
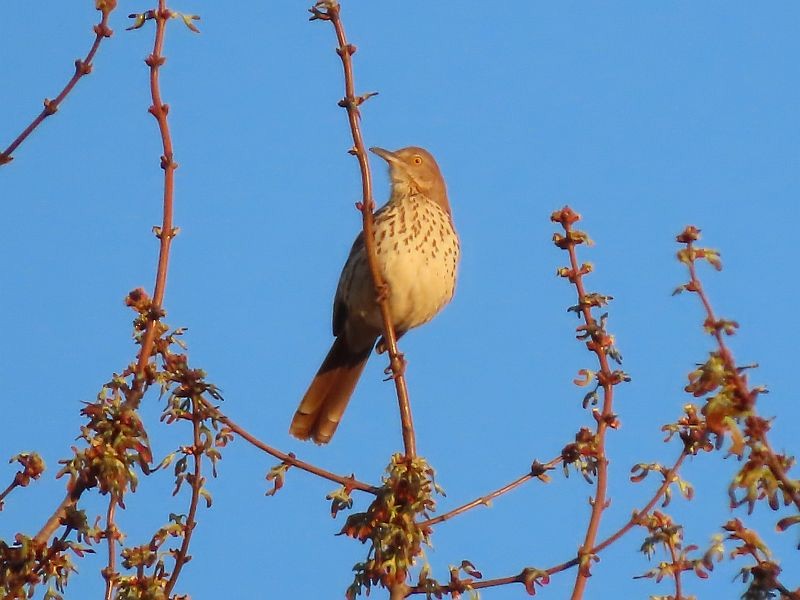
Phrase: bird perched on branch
x=418 y=253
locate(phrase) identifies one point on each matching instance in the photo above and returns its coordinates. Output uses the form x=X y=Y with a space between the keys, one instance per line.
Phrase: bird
x=418 y=252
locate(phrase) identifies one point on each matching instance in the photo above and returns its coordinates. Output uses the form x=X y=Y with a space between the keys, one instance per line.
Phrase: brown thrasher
x=418 y=252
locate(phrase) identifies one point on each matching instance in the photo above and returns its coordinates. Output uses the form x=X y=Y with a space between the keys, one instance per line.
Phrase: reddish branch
x=7 y=491
x=110 y=571
x=165 y=234
x=82 y=67
x=328 y=10
x=181 y=557
x=676 y=572
x=524 y=576
x=349 y=482
x=567 y=218
x=736 y=375
x=537 y=470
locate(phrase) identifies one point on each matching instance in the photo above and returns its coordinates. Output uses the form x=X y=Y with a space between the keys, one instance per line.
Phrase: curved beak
x=386 y=155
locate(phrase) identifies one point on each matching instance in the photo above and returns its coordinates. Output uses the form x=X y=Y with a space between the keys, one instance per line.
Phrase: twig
x=538 y=470
x=329 y=10
x=197 y=485
x=606 y=418
x=739 y=380
x=676 y=572
x=166 y=232
x=110 y=571
x=7 y=491
x=82 y=67
x=634 y=520
x=521 y=577
x=350 y=482
x=74 y=492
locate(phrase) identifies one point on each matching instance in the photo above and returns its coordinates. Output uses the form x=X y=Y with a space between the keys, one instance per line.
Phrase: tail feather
x=322 y=407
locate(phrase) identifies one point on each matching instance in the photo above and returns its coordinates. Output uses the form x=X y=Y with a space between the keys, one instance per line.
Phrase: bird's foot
x=396 y=368
x=382 y=292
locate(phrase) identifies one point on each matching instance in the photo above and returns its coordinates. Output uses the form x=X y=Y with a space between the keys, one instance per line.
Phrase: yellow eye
x=417 y=160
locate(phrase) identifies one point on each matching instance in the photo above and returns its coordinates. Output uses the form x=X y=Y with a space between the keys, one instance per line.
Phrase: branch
x=530 y=576
x=32 y=468
x=110 y=571
x=350 y=482
x=181 y=557
x=601 y=344
x=328 y=10
x=82 y=67
x=538 y=470
x=744 y=396
x=166 y=232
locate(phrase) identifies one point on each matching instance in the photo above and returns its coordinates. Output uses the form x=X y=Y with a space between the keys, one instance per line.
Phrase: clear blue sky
x=644 y=116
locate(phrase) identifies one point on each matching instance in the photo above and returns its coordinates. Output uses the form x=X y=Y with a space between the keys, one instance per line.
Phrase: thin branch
x=165 y=234
x=7 y=491
x=632 y=522
x=329 y=10
x=197 y=485
x=110 y=571
x=349 y=482
x=676 y=572
x=606 y=418
x=74 y=491
x=738 y=379
x=82 y=67
x=538 y=470
x=167 y=231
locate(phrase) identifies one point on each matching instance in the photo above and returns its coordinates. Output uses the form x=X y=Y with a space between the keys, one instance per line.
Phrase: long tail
x=322 y=407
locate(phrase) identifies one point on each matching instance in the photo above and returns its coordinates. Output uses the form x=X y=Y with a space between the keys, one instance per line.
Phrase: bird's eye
x=417 y=160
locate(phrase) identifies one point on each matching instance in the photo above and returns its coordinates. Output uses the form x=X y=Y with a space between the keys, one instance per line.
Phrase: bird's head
x=415 y=169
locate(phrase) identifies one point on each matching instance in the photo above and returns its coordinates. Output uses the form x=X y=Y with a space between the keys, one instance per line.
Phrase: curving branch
x=166 y=232
x=329 y=10
x=349 y=482
x=82 y=67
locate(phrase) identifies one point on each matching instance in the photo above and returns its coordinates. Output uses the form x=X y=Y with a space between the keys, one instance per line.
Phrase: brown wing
x=339 y=304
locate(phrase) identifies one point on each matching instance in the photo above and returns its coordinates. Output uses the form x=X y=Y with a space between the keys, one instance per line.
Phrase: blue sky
x=642 y=116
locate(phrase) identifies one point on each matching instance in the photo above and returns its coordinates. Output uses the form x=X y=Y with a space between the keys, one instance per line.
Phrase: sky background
x=643 y=116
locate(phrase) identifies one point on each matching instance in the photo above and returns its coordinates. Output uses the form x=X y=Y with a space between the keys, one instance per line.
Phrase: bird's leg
x=381 y=347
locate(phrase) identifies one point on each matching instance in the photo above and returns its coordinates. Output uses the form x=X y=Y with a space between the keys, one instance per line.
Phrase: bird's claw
x=396 y=368
x=382 y=292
